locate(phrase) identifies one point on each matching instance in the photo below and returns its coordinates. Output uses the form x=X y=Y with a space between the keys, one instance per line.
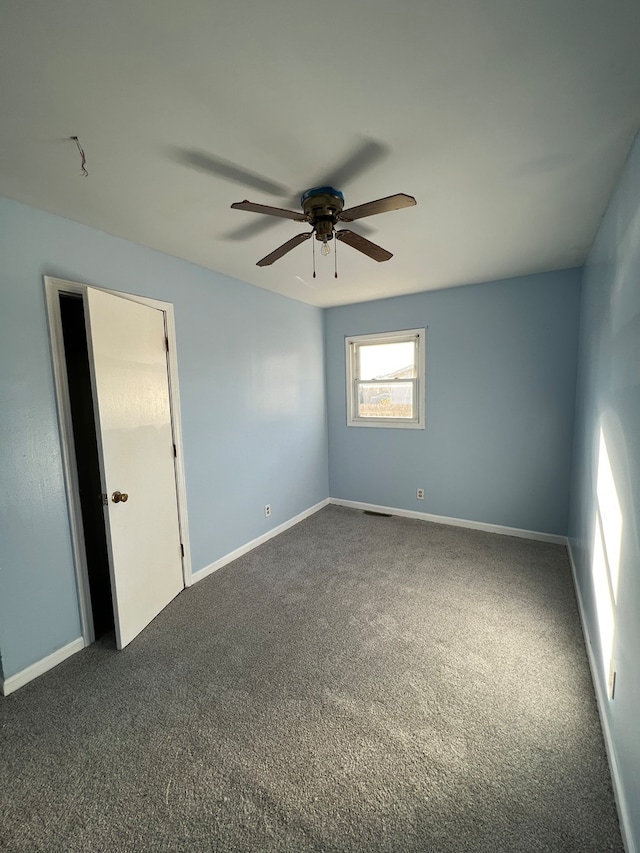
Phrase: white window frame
x=353 y=381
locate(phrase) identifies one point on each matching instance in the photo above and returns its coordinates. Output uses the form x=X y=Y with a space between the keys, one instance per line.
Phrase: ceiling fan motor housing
x=323 y=208
x=322 y=205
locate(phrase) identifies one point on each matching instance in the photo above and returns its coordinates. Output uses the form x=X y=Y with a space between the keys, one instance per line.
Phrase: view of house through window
x=385 y=374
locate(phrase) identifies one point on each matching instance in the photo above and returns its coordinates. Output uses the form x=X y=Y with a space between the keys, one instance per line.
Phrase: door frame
x=54 y=287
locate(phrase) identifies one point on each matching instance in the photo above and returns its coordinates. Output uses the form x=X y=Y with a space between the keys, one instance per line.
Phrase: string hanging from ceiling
x=83 y=159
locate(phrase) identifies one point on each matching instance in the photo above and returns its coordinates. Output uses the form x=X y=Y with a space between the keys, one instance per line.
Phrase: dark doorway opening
x=86 y=451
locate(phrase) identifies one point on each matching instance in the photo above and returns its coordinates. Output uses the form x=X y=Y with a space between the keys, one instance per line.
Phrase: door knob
x=119 y=497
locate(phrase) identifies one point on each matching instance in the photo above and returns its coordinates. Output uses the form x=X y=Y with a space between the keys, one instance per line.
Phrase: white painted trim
x=53 y=288
x=249 y=546
x=403 y=335
x=176 y=422
x=602 y=702
x=455 y=522
x=40 y=667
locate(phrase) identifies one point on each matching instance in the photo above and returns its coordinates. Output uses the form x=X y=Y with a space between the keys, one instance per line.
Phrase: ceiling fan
x=323 y=209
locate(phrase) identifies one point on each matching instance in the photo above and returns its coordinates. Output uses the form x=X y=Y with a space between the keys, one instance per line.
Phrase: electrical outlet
x=420 y=494
x=267 y=510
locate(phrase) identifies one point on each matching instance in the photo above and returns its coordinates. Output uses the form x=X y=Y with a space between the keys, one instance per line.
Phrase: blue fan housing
x=314 y=191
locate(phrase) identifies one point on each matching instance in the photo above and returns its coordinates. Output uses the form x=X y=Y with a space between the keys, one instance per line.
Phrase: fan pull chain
x=313 y=245
x=335 y=258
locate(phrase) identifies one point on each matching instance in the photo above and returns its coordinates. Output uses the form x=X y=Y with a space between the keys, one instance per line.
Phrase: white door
x=135 y=441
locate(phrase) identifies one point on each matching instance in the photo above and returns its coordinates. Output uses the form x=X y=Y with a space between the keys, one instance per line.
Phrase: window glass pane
x=387 y=361
x=385 y=401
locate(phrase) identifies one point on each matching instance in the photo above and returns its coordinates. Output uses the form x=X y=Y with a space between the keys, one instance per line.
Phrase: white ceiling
x=508 y=120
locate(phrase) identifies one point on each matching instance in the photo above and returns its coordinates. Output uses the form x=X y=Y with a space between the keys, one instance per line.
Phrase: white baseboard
x=602 y=702
x=249 y=546
x=455 y=522
x=40 y=667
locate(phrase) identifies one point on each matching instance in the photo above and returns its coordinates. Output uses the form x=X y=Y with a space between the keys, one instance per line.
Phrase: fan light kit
x=323 y=209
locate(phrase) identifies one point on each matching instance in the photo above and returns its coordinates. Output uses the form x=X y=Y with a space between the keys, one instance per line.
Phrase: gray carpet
x=356 y=684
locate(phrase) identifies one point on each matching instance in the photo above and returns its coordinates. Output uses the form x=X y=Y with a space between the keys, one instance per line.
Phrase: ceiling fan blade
x=282 y=250
x=364 y=155
x=228 y=170
x=380 y=205
x=252 y=207
x=357 y=241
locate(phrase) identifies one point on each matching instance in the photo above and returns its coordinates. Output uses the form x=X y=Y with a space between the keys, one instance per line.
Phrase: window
x=385 y=379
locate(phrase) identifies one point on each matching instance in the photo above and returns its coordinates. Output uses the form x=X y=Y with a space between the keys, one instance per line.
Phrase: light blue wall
x=608 y=405
x=500 y=389
x=253 y=413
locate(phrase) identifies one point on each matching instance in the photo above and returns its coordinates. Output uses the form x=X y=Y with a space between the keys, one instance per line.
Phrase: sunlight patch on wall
x=605 y=567
x=610 y=515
